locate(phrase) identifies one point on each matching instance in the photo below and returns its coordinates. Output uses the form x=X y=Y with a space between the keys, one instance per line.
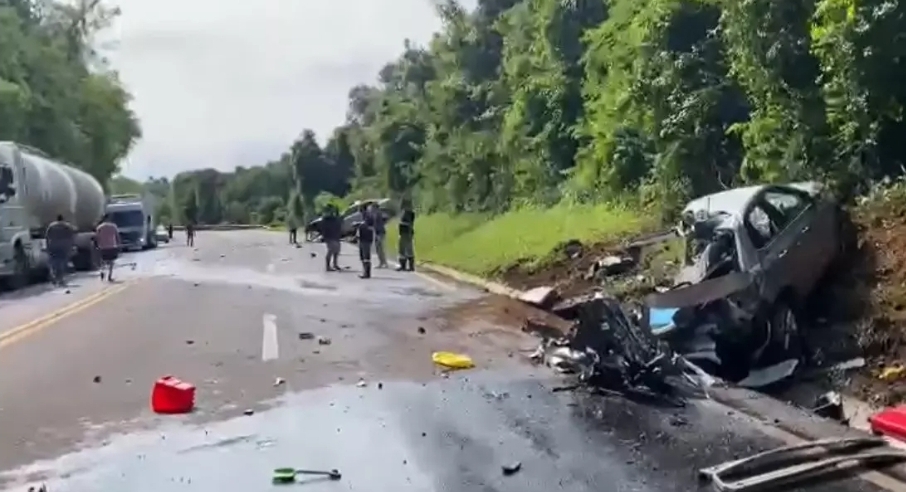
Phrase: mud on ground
x=859 y=310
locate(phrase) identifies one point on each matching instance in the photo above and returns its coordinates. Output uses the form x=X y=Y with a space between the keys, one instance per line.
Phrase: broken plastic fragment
x=452 y=360
x=892 y=373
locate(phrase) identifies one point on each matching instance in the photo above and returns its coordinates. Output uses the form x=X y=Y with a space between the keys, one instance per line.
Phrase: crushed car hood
x=702 y=292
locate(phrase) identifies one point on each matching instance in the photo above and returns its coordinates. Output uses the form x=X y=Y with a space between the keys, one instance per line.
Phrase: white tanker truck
x=34 y=189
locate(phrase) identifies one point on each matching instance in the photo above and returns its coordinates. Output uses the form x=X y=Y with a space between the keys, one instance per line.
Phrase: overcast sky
x=224 y=83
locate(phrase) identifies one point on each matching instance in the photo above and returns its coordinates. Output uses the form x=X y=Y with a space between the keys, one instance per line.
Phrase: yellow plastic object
x=452 y=361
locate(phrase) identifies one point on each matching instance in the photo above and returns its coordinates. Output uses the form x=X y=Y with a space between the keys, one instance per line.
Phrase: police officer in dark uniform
x=407 y=235
x=365 y=237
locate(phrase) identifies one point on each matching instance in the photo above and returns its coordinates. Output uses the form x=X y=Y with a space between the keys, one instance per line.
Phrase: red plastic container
x=172 y=395
x=890 y=422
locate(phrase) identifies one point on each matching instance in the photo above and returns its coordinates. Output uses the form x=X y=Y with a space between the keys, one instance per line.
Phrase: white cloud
x=225 y=83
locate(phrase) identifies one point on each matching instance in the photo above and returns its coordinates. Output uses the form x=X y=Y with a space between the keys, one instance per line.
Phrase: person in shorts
x=60 y=237
x=107 y=237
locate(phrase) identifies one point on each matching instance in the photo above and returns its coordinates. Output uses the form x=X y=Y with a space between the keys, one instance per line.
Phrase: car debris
x=542 y=297
x=750 y=254
x=610 y=265
x=609 y=348
x=829 y=405
x=789 y=464
x=511 y=469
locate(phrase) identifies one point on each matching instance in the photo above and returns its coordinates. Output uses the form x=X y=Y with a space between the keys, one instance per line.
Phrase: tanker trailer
x=34 y=189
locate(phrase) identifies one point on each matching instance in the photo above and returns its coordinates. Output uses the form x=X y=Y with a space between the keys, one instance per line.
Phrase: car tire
x=21 y=269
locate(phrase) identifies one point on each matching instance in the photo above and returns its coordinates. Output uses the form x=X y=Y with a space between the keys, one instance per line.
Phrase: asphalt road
x=227 y=316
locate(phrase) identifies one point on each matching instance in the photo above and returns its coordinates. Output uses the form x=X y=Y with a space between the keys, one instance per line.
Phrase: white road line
x=269 y=348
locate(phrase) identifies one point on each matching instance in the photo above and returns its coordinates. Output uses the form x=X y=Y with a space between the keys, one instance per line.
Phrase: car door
x=774 y=260
x=795 y=213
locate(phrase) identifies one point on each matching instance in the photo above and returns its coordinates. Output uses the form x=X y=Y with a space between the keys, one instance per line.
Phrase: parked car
x=753 y=256
x=351 y=216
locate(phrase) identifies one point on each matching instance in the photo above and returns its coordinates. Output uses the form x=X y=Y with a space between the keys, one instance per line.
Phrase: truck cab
x=133 y=216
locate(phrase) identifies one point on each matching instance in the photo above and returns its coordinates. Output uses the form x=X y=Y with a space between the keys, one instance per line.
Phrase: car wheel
x=21 y=269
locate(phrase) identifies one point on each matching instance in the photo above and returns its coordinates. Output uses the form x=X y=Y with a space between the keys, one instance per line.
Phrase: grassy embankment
x=484 y=245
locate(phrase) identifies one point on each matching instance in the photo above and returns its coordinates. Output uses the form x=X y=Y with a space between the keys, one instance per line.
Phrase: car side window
x=788 y=205
x=759 y=227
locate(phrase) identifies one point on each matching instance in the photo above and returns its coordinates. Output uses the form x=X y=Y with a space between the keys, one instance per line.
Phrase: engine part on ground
x=790 y=464
x=620 y=354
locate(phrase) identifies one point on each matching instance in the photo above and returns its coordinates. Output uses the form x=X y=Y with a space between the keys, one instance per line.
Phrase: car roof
x=734 y=201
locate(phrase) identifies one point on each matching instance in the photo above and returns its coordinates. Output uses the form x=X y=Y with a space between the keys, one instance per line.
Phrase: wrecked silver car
x=753 y=256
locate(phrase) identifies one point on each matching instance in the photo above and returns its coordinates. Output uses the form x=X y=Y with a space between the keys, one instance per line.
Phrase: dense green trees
x=56 y=93
x=536 y=101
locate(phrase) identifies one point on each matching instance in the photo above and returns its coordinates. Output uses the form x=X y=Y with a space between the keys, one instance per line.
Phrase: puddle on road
x=370 y=434
x=157 y=265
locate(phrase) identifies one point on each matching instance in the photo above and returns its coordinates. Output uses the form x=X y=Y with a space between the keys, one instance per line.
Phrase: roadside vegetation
x=56 y=92
x=519 y=106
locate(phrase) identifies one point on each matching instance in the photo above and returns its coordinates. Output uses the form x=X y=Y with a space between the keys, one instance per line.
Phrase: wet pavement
x=228 y=316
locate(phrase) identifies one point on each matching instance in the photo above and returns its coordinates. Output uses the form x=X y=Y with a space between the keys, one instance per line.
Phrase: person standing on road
x=407 y=236
x=331 y=231
x=380 y=233
x=190 y=233
x=60 y=237
x=107 y=237
x=292 y=228
x=365 y=237
x=170 y=231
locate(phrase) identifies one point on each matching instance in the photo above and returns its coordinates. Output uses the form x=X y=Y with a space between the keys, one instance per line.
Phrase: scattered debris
x=380 y=386
x=421 y=330
x=361 y=383
x=511 y=468
x=572 y=248
x=830 y=406
x=190 y=342
x=542 y=297
x=42 y=488
x=305 y=335
x=568 y=387
x=569 y=308
x=324 y=341
x=452 y=360
x=766 y=376
x=279 y=382
x=609 y=266
x=892 y=373
x=249 y=411
x=789 y=464
x=610 y=348
x=288 y=475
x=313 y=254
x=97 y=379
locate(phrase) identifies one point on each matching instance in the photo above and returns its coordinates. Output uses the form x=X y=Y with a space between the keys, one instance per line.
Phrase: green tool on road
x=288 y=475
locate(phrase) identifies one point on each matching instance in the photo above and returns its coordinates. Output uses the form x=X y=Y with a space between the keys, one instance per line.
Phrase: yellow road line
x=18 y=333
